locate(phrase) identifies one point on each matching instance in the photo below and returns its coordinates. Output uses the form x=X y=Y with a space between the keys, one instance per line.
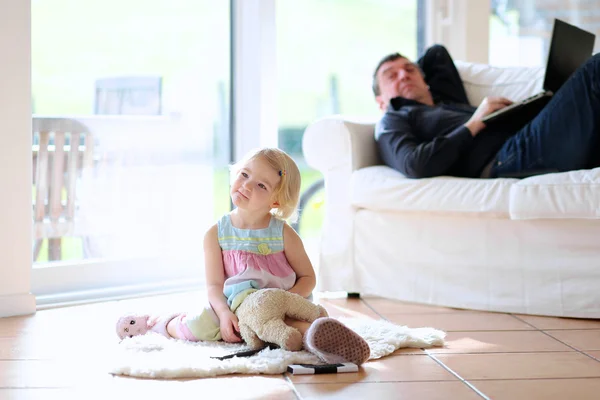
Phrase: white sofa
x=528 y=246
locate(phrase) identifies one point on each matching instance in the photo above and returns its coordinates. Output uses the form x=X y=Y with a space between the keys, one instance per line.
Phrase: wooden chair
x=62 y=148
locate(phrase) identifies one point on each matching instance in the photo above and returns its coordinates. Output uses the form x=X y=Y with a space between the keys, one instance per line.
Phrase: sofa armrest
x=337 y=140
x=337 y=146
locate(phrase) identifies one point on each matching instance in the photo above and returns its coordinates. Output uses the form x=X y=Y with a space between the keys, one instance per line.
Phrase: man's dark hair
x=389 y=57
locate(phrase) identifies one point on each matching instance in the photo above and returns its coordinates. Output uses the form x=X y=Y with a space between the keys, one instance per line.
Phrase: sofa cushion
x=481 y=80
x=382 y=188
x=573 y=194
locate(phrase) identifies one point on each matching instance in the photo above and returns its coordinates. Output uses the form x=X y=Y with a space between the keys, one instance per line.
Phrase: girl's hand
x=229 y=327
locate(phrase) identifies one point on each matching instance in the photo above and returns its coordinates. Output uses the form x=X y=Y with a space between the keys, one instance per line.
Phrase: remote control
x=311 y=369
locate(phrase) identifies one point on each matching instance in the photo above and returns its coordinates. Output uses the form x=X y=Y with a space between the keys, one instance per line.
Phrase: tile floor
x=55 y=354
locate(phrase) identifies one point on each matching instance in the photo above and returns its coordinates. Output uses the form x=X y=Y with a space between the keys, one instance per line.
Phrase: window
x=520 y=31
x=326 y=53
x=142 y=88
x=134 y=99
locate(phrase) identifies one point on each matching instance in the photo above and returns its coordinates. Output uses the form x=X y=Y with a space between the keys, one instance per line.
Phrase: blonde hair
x=287 y=191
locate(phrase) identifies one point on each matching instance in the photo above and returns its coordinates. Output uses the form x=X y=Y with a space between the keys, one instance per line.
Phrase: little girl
x=253 y=248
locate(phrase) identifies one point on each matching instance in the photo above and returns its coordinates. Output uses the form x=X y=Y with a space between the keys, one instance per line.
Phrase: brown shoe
x=333 y=342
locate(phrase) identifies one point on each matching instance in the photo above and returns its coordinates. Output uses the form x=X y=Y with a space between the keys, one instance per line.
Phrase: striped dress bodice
x=254 y=258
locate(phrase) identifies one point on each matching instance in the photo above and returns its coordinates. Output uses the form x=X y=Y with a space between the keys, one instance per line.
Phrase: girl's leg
x=175 y=330
x=302 y=326
x=203 y=326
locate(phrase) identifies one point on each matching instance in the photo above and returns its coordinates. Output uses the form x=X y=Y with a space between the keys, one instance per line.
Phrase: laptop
x=570 y=47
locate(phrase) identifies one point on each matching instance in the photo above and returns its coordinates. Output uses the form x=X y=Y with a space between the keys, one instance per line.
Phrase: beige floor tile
x=43 y=321
x=408 y=351
x=57 y=332
x=402 y=368
x=57 y=345
x=540 y=389
x=23 y=348
x=67 y=321
x=588 y=339
x=521 y=365
x=13 y=326
x=247 y=387
x=51 y=394
x=499 y=342
x=595 y=354
x=545 y=323
x=344 y=307
x=52 y=374
x=388 y=306
x=387 y=390
x=228 y=387
x=461 y=321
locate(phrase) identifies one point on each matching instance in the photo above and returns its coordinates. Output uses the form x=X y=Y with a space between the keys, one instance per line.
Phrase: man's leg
x=565 y=135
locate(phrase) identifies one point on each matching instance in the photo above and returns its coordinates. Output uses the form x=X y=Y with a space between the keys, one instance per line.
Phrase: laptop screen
x=570 y=47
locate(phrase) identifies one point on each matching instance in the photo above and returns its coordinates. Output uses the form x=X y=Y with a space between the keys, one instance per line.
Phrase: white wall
x=15 y=159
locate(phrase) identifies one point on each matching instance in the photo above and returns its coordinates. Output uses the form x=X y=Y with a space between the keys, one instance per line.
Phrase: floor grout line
x=388 y=381
x=537 y=379
x=430 y=355
x=591 y=356
x=372 y=308
x=469 y=385
x=522 y=320
x=574 y=348
x=293 y=385
x=560 y=341
x=499 y=352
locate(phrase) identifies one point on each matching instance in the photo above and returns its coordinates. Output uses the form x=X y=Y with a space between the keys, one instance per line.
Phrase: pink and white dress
x=254 y=258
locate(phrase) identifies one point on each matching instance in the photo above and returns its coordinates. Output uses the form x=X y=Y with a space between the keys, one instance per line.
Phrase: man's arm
x=442 y=76
x=404 y=151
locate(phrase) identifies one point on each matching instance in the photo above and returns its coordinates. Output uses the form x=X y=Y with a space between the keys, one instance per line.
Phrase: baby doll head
x=132 y=325
x=287 y=192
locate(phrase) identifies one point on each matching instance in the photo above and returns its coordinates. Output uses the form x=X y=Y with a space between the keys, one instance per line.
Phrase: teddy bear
x=261 y=318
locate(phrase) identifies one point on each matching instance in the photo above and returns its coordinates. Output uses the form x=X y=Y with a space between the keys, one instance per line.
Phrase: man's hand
x=487 y=106
x=229 y=327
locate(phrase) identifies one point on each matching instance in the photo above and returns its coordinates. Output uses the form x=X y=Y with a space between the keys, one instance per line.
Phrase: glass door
x=131 y=143
x=326 y=54
x=520 y=31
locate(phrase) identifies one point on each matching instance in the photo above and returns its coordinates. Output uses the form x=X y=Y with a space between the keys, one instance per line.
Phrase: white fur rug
x=154 y=356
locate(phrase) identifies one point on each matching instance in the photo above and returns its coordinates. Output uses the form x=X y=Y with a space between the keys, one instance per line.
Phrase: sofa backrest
x=514 y=83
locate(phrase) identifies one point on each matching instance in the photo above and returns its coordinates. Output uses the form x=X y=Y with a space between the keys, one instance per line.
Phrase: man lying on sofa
x=429 y=129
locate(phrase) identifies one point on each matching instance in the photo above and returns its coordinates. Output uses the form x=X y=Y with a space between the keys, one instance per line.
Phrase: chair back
x=61 y=149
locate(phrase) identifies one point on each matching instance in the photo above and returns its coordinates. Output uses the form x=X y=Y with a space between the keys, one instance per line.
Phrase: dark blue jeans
x=564 y=136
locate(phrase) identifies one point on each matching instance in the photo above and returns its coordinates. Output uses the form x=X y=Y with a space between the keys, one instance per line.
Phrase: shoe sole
x=333 y=338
